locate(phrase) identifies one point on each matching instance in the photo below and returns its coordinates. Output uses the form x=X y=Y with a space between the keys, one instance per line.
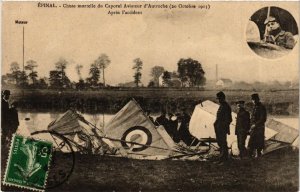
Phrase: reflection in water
x=40 y=121
x=54 y=115
x=95 y=120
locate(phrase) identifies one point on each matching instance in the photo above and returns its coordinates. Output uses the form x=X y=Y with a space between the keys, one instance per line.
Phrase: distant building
x=9 y=79
x=224 y=83
x=128 y=84
x=210 y=83
x=174 y=81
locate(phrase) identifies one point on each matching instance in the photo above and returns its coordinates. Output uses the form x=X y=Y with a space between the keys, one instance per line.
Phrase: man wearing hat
x=4 y=124
x=257 y=130
x=183 y=130
x=221 y=126
x=275 y=35
x=242 y=127
x=4 y=110
x=13 y=119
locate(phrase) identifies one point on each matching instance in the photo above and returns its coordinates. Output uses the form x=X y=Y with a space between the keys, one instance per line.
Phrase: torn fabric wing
x=131 y=127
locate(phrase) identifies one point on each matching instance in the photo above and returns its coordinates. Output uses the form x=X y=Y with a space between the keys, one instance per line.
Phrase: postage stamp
x=28 y=163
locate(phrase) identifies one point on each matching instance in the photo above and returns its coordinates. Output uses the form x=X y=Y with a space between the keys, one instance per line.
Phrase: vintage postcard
x=150 y=96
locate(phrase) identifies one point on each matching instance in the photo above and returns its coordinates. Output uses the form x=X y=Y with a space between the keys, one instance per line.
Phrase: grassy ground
x=276 y=95
x=277 y=171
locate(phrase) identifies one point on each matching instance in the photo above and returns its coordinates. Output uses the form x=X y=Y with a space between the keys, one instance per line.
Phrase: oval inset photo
x=272 y=32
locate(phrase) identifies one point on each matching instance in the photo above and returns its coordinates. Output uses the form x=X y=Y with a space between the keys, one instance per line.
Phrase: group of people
x=245 y=125
x=9 y=118
x=176 y=125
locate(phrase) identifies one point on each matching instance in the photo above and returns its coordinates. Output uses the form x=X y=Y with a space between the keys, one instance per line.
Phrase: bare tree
x=78 y=70
x=61 y=65
x=58 y=76
x=14 y=66
x=30 y=66
x=15 y=71
x=94 y=75
x=138 y=65
x=103 y=61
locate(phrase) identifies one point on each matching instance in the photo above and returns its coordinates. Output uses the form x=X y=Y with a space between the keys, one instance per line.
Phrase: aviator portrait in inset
x=272 y=32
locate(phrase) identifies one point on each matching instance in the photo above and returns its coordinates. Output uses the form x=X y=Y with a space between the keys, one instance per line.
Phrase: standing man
x=257 y=130
x=4 y=126
x=183 y=130
x=13 y=119
x=4 y=113
x=221 y=125
x=242 y=127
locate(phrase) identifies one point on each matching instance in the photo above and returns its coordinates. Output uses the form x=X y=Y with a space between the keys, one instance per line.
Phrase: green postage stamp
x=28 y=163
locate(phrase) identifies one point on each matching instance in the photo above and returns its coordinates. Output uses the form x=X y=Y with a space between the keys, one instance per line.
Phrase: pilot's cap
x=255 y=97
x=240 y=102
x=6 y=92
x=270 y=19
x=220 y=95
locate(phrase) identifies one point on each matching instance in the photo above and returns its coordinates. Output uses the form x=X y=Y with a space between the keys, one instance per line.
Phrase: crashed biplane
x=277 y=134
x=130 y=133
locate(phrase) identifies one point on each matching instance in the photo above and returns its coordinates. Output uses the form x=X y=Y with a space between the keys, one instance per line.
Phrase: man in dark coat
x=257 y=130
x=13 y=119
x=4 y=113
x=183 y=131
x=242 y=127
x=221 y=126
x=4 y=126
x=164 y=120
x=172 y=127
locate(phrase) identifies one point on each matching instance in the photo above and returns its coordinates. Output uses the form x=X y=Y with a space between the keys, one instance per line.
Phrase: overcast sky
x=158 y=37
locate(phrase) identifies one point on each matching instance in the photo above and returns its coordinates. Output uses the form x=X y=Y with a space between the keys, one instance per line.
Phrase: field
x=284 y=102
x=277 y=171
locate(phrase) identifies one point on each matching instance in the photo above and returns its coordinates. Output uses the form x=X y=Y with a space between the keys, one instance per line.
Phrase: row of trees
x=189 y=73
x=58 y=77
x=21 y=78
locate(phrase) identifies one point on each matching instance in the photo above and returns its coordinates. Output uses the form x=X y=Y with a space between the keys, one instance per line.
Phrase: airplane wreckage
x=130 y=133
